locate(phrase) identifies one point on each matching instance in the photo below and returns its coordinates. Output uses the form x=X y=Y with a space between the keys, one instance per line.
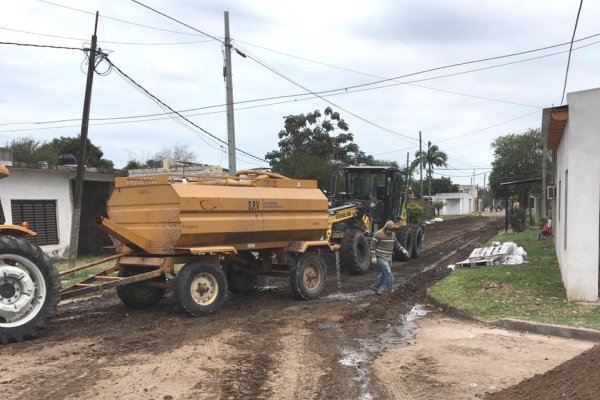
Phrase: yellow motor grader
x=369 y=197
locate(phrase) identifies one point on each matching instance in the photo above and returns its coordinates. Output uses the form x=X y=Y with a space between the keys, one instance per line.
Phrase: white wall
x=456 y=203
x=577 y=208
x=39 y=184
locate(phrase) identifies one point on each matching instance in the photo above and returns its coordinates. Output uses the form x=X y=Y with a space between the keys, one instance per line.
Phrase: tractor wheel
x=240 y=281
x=29 y=289
x=307 y=276
x=418 y=243
x=355 y=253
x=139 y=295
x=405 y=237
x=201 y=288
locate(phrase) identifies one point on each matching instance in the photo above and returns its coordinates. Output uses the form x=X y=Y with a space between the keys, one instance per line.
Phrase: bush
x=517 y=219
x=414 y=213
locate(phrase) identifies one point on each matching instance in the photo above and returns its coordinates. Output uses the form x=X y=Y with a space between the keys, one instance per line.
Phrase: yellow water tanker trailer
x=211 y=234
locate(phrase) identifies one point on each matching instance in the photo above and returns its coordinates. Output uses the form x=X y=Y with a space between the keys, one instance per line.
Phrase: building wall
x=39 y=184
x=577 y=207
x=456 y=203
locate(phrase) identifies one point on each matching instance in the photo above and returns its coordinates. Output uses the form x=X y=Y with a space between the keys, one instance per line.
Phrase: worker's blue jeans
x=385 y=274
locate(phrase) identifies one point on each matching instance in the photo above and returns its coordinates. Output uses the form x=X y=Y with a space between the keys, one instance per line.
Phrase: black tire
x=240 y=281
x=138 y=295
x=208 y=284
x=18 y=252
x=417 y=243
x=307 y=276
x=405 y=237
x=355 y=253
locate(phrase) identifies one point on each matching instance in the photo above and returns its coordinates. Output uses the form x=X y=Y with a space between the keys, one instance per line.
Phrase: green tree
x=443 y=185
x=310 y=149
x=517 y=157
x=31 y=151
x=429 y=159
x=438 y=205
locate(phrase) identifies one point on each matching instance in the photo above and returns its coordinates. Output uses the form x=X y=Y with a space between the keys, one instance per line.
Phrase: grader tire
x=201 y=288
x=29 y=289
x=418 y=243
x=355 y=253
x=137 y=295
x=405 y=237
x=307 y=276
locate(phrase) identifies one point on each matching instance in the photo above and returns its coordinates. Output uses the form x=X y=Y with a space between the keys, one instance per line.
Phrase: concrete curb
x=521 y=325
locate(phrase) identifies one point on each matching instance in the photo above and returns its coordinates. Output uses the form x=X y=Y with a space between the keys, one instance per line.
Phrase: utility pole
x=421 y=162
x=227 y=73
x=484 y=191
x=76 y=217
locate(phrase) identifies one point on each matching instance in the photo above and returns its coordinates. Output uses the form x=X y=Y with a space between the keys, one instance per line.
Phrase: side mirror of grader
x=3 y=172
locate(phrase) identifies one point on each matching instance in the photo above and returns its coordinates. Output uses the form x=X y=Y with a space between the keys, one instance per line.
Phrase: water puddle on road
x=368 y=350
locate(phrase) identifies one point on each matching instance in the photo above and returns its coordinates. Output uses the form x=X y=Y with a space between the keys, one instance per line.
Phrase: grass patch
x=531 y=291
x=71 y=279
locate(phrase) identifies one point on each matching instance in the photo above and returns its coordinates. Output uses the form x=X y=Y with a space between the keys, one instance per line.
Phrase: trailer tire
x=201 y=288
x=355 y=253
x=18 y=255
x=137 y=295
x=405 y=237
x=417 y=243
x=307 y=276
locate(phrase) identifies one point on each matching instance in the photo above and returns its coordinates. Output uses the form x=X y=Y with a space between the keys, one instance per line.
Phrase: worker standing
x=382 y=249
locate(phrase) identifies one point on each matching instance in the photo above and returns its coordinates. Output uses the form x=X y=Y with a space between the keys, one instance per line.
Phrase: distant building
x=457 y=203
x=572 y=134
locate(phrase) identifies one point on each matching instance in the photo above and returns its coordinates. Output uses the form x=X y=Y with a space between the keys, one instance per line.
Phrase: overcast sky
x=361 y=42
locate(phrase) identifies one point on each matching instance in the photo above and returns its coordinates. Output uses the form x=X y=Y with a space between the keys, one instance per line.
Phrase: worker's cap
x=389 y=225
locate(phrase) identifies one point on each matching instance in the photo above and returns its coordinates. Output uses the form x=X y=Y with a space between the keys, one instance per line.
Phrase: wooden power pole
x=76 y=217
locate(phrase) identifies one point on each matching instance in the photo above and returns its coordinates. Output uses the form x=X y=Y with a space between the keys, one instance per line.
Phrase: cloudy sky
x=340 y=47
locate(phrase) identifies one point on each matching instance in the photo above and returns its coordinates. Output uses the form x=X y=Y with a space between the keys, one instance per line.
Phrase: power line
x=570 y=48
x=118 y=19
x=156 y=99
x=327 y=101
x=103 y=41
x=42 y=46
x=178 y=21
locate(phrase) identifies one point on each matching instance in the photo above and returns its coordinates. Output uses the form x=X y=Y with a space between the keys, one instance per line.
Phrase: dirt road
x=263 y=344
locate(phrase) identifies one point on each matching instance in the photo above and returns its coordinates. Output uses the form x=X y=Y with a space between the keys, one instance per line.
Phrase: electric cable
x=117 y=19
x=156 y=99
x=178 y=21
x=570 y=48
x=104 y=41
x=42 y=46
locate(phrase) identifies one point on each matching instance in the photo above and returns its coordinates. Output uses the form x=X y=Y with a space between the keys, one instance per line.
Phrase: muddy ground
x=260 y=345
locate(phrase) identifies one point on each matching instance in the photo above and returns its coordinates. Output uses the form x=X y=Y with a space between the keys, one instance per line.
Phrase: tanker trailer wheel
x=201 y=288
x=307 y=276
x=29 y=289
x=406 y=239
x=418 y=243
x=139 y=295
x=355 y=253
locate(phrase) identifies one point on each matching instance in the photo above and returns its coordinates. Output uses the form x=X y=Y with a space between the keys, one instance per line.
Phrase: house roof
x=554 y=121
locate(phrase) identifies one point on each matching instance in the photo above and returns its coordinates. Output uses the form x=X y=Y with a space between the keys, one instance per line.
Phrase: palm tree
x=431 y=158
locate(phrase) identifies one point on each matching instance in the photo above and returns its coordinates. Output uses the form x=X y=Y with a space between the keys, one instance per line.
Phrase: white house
x=572 y=133
x=43 y=197
x=463 y=202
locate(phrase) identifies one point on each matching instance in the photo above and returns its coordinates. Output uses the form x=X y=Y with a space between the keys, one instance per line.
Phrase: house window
x=41 y=216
